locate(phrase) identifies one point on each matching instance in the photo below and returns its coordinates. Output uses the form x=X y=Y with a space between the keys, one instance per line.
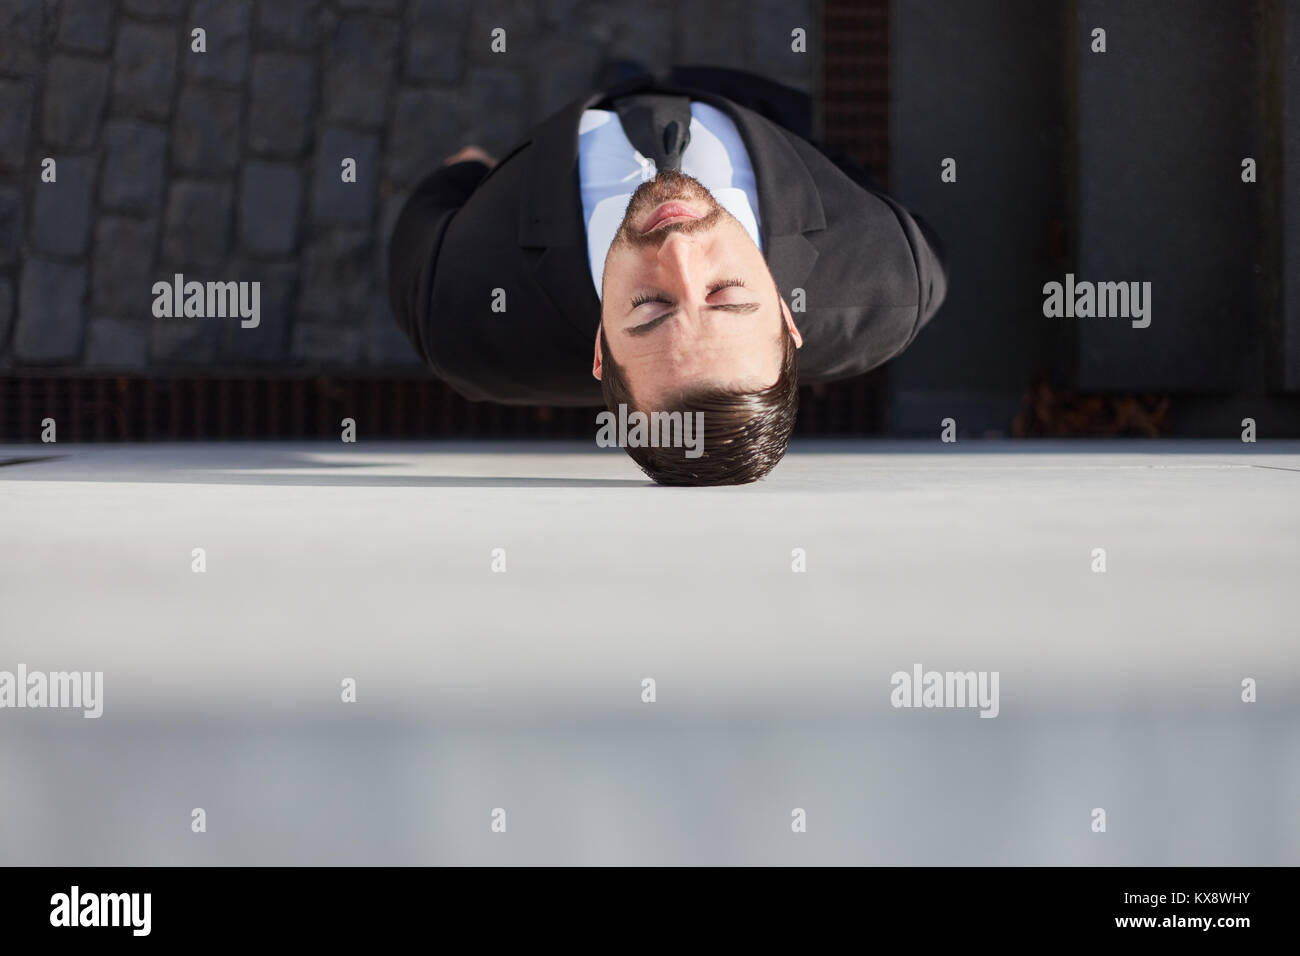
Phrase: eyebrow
x=737 y=308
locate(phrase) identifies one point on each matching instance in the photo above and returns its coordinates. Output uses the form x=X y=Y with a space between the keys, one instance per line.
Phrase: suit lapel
x=551 y=229
x=550 y=212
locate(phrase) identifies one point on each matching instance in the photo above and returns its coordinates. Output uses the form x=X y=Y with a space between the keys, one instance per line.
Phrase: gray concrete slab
x=522 y=690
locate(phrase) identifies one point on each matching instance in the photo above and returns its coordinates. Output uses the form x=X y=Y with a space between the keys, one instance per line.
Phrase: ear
x=789 y=324
x=595 y=362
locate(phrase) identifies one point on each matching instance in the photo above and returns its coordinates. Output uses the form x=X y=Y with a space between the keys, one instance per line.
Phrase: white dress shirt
x=610 y=169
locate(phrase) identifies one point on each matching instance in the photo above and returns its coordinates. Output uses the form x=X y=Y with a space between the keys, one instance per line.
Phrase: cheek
x=737 y=246
x=619 y=265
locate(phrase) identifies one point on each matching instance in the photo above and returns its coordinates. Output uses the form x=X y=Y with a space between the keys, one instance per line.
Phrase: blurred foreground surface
x=522 y=690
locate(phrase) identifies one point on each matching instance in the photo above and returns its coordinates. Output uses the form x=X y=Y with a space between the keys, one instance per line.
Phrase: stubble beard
x=668 y=185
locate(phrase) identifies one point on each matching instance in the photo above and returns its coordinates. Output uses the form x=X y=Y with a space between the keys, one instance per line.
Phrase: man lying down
x=677 y=245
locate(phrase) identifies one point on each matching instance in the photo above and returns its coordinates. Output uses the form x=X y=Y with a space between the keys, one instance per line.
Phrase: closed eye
x=643 y=298
x=640 y=300
x=738 y=308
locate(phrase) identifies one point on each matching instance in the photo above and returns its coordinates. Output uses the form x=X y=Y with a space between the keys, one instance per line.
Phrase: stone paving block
x=63 y=210
x=122 y=270
x=270 y=200
x=768 y=30
x=185 y=342
x=196 y=231
x=434 y=38
x=86 y=25
x=6 y=311
x=385 y=342
x=51 y=312
x=327 y=345
x=389 y=209
x=228 y=25
x=113 y=343
x=338 y=277
x=135 y=166
x=205 y=136
x=336 y=201
x=519 y=18
x=559 y=13
x=268 y=342
x=712 y=34
x=144 y=74
x=23 y=27
x=11 y=225
x=358 y=70
x=371 y=6
x=76 y=89
x=155 y=9
x=643 y=32
x=282 y=98
x=565 y=68
x=493 y=128
x=16 y=102
x=296 y=24
x=428 y=126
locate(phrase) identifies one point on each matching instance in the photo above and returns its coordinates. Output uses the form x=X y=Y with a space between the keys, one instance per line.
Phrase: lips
x=669 y=212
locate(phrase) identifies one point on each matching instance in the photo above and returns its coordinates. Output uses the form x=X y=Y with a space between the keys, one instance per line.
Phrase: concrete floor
x=478 y=690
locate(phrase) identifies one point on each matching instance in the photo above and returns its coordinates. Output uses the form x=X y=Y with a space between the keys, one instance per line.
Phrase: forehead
x=730 y=350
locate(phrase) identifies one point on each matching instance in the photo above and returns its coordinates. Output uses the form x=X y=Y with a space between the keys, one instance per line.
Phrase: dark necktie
x=658 y=125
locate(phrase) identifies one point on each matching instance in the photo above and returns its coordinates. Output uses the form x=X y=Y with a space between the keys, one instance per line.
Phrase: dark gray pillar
x=1165 y=117
x=1291 y=197
x=984 y=84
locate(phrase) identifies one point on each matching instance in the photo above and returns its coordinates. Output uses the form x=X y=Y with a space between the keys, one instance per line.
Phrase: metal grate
x=855 y=81
x=139 y=408
x=855 y=119
x=143 y=408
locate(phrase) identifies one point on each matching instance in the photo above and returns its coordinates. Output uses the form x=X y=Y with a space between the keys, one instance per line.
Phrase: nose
x=676 y=255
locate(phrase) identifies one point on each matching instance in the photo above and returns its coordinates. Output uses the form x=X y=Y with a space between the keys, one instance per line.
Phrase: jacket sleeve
x=927 y=247
x=931 y=264
x=414 y=245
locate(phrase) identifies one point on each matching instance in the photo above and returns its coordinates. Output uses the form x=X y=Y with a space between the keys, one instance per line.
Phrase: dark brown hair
x=745 y=432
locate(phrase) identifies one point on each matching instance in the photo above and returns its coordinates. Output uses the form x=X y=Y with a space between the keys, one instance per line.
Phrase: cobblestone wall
x=224 y=164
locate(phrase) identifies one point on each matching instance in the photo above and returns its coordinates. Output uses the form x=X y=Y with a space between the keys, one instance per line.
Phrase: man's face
x=687 y=296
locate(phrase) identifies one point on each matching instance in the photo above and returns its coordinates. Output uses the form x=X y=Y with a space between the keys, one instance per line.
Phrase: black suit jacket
x=872 y=273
